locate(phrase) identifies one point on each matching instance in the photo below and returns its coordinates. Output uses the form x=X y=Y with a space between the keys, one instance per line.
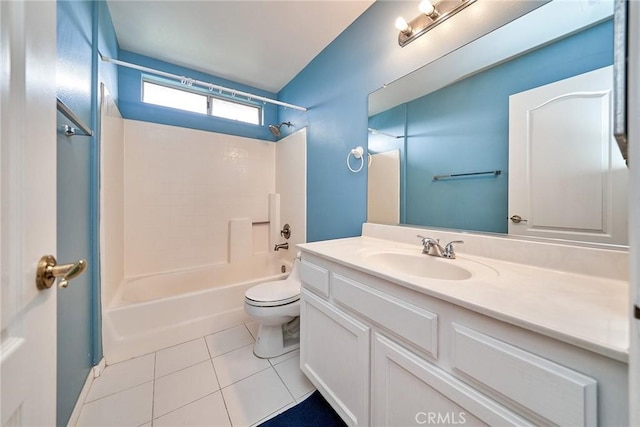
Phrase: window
x=235 y=110
x=175 y=98
x=191 y=100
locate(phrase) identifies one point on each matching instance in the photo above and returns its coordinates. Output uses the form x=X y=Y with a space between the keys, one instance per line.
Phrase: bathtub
x=159 y=310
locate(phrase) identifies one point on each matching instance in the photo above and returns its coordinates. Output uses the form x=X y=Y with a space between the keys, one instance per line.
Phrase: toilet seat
x=273 y=294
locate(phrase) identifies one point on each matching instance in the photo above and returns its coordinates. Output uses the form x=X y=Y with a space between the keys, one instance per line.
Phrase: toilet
x=276 y=307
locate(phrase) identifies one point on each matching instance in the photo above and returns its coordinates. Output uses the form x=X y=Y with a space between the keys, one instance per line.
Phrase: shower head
x=275 y=129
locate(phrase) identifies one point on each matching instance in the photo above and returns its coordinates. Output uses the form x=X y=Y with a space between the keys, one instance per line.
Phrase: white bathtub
x=156 y=311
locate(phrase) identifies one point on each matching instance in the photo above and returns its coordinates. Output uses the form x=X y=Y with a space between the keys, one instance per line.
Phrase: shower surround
x=189 y=221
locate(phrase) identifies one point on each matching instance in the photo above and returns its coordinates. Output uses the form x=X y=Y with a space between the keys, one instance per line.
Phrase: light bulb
x=426 y=7
x=402 y=25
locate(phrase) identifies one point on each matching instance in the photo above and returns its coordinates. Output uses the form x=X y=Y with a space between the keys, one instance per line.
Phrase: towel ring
x=358 y=153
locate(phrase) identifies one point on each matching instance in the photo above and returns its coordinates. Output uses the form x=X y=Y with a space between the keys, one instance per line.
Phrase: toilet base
x=276 y=340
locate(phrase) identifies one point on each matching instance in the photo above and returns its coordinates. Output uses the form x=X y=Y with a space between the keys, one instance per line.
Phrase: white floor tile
x=304 y=396
x=180 y=356
x=238 y=364
x=228 y=340
x=131 y=407
x=208 y=411
x=275 y=414
x=293 y=378
x=179 y=388
x=122 y=376
x=255 y=398
x=253 y=328
x=275 y=360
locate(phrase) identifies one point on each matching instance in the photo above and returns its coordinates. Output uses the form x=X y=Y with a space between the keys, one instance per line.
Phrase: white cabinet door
x=409 y=391
x=561 y=137
x=28 y=214
x=334 y=354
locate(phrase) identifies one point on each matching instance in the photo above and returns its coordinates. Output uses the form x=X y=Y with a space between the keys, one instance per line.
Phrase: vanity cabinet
x=407 y=390
x=334 y=353
x=386 y=355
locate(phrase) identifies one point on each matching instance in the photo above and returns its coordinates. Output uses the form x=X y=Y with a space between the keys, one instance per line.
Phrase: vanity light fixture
x=430 y=16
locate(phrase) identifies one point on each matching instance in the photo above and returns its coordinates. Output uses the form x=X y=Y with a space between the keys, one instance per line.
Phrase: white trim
x=99 y=368
x=633 y=109
x=94 y=373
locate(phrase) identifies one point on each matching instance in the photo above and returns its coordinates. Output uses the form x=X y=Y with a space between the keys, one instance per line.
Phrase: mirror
x=450 y=118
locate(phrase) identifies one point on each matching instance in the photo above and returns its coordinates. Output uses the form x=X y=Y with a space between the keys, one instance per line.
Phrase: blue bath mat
x=311 y=412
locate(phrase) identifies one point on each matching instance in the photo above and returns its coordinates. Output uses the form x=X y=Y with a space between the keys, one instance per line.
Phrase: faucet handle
x=429 y=240
x=448 y=250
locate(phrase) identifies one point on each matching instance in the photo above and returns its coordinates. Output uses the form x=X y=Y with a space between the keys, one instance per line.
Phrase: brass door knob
x=48 y=270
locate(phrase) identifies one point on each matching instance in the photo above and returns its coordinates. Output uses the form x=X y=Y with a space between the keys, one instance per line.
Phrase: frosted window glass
x=235 y=111
x=174 y=98
x=190 y=101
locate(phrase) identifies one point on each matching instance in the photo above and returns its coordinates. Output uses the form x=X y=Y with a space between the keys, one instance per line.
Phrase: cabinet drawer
x=558 y=395
x=412 y=323
x=315 y=278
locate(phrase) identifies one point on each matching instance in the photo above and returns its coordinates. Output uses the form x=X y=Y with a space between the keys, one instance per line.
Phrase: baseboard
x=95 y=372
x=99 y=368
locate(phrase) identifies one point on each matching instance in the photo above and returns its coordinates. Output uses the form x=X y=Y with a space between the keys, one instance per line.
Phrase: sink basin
x=419 y=265
x=414 y=263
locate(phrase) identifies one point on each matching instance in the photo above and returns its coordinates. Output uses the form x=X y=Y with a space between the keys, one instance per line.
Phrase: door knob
x=517 y=219
x=49 y=269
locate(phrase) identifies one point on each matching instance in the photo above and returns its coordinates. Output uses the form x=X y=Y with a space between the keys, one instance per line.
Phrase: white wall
x=291 y=184
x=175 y=198
x=182 y=188
x=111 y=198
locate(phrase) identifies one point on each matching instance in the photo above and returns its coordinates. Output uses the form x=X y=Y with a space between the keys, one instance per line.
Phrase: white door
x=28 y=214
x=633 y=100
x=561 y=138
x=383 y=188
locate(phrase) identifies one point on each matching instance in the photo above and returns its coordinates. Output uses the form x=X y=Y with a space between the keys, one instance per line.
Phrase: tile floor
x=215 y=380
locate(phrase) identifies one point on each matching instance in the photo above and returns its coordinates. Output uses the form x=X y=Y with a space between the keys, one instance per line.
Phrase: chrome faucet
x=432 y=247
x=279 y=246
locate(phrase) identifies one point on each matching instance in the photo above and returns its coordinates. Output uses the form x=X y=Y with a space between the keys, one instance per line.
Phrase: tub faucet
x=279 y=246
x=432 y=247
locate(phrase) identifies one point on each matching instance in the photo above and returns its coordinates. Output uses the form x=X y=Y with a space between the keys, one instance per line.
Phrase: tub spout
x=279 y=246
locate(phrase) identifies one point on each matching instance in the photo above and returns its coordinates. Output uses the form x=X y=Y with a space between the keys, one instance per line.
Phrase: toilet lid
x=279 y=292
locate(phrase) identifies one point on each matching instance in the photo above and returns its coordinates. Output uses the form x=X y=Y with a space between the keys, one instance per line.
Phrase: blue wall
x=131 y=106
x=82 y=26
x=335 y=85
x=464 y=128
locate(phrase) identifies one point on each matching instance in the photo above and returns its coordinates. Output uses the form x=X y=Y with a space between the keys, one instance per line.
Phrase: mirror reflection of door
x=560 y=138
x=383 y=188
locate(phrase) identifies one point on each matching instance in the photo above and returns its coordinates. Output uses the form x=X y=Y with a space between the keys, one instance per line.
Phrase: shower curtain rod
x=206 y=85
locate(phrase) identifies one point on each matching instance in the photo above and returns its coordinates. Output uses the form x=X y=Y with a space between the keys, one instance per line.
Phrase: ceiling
x=263 y=44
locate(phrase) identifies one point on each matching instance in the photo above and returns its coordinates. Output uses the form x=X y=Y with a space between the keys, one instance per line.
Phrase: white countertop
x=585 y=310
